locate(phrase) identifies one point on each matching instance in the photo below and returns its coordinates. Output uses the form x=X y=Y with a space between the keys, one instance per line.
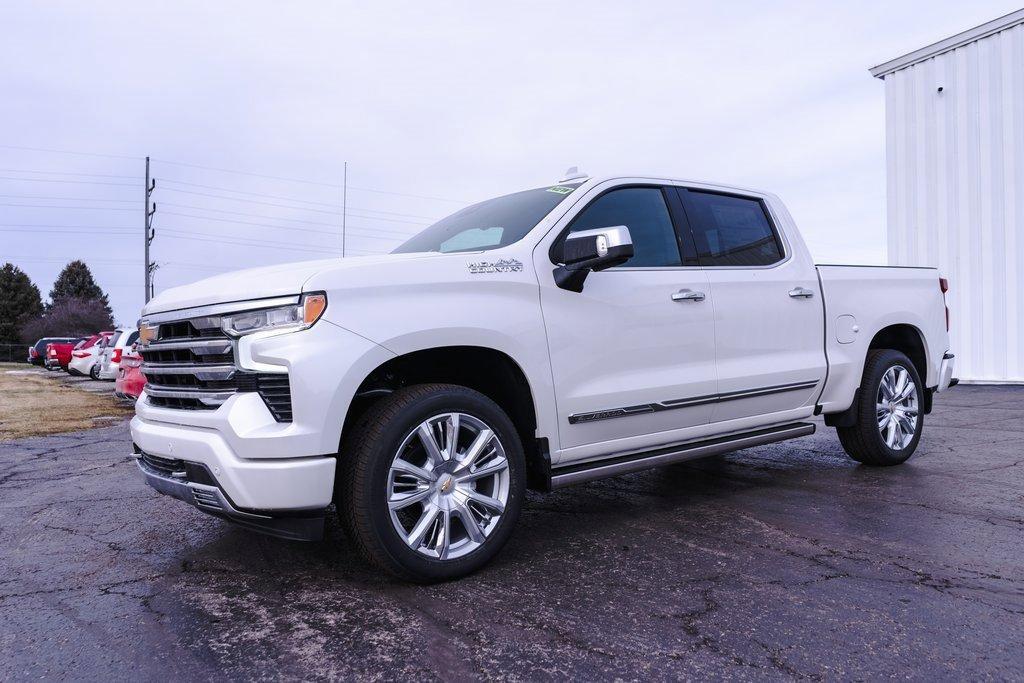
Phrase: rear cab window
x=731 y=230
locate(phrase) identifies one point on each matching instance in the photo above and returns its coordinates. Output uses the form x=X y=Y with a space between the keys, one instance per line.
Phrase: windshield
x=490 y=224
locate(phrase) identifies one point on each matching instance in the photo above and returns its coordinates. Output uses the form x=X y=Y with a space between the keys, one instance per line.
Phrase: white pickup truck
x=591 y=328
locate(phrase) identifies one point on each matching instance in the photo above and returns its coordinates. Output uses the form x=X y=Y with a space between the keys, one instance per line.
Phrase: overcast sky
x=452 y=102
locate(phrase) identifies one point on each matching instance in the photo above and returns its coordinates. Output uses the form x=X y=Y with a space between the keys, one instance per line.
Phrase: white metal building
x=955 y=165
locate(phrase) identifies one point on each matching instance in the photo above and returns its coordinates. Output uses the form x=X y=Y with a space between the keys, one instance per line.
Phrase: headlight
x=283 y=318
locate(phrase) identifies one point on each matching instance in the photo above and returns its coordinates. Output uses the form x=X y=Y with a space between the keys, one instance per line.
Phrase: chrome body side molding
x=687 y=402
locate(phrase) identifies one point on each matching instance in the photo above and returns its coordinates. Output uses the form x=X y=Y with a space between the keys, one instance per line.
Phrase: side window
x=643 y=211
x=731 y=231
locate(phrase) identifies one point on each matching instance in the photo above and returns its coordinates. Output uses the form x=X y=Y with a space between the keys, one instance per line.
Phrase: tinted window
x=490 y=224
x=731 y=231
x=132 y=338
x=643 y=211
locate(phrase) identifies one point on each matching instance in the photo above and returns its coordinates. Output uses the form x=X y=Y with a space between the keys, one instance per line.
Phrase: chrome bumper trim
x=946 y=373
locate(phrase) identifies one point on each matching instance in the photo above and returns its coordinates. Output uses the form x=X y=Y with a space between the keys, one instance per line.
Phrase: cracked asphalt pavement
x=784 y=561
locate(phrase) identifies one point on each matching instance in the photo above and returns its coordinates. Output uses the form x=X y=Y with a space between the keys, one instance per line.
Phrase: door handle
x=801 y=293
x=688 y=295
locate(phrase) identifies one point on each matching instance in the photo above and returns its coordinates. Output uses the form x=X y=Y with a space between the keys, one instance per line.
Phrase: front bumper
x=195 y=484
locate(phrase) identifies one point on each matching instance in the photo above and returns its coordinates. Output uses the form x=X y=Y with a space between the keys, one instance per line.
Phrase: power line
x=71 y=232
x=63 y=199
x=85 y=175
x=416 y=196
x=283 y=198
x=247 y=201
x=251 y=194
x=119 y=230
x=65 y=151
x=63 y=225
x=56 y=180
x=246 y=173
x=279 y=227
x=281 y=218
x=58 y=206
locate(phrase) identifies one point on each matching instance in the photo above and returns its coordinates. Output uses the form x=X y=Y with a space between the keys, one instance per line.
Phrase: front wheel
x=94 y=372
x=431 y=482
x=889 y=421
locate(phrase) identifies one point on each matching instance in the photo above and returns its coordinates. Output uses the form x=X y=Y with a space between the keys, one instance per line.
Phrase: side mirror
x=589 y=250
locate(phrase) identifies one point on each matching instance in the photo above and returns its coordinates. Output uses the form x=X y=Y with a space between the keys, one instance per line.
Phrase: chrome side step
x=634 y=462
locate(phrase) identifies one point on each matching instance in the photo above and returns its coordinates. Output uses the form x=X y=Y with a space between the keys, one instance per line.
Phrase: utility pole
x=148 y=232
x=344 y=205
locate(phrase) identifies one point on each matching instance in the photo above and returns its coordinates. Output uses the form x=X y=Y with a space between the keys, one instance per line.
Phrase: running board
x=634 y=462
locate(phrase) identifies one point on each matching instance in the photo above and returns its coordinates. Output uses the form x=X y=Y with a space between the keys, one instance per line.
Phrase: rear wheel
x=431 y=482
x=94 y=371
x=889 y=421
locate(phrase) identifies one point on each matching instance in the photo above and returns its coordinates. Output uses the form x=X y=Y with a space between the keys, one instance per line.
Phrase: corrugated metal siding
x=956 y=192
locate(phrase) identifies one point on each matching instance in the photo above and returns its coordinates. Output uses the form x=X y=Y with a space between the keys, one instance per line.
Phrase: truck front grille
x=191 y=366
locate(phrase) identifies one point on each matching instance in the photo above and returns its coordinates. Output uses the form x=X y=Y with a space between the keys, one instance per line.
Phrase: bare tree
x=69 y=317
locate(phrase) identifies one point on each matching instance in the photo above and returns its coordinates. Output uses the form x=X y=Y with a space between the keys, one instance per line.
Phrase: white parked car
x=591 y=328
x=110 y=356
x=85 y=359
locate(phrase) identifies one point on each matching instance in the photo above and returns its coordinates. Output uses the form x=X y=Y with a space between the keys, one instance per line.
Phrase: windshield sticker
x=505 y=265
x=561 y=189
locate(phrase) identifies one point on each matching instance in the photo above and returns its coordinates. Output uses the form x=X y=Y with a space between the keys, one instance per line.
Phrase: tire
x=94 y=372
x=865 y=441
x=430 y=540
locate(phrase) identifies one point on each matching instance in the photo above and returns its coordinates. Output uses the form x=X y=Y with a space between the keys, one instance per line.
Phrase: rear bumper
x=196 y=485
x=946 y=380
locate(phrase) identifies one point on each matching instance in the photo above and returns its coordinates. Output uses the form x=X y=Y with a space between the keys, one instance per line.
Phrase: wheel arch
x=902 y=337
x=492 y=372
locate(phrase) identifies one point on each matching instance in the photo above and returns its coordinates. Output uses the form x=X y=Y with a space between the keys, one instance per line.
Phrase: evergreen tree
x=76 y=282
x=19 y=302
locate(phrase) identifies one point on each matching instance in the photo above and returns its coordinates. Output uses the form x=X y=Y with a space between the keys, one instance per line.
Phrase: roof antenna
x=573 y=173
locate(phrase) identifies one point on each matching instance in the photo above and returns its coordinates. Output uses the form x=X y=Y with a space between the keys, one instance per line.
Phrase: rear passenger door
x=769 y=319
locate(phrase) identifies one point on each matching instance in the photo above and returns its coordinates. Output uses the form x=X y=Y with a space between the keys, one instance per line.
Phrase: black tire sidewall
x=882 y=363
x=453 y=399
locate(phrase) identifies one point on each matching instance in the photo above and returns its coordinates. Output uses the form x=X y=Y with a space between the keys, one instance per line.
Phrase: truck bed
x=859 y=301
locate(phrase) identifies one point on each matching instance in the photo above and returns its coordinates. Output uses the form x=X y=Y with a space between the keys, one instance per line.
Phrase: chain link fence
x=13 y=353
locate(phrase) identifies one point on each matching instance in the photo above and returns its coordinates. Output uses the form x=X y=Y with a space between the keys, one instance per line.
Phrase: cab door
x=633 y=354
x=769 y=320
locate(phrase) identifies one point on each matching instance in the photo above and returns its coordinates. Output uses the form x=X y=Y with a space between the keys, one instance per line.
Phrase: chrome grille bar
x=210 y=398
x=206 y=373
x=200 y=347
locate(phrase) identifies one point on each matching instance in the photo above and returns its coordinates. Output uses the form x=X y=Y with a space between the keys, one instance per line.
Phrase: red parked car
x=58 y=354
x=130 y=379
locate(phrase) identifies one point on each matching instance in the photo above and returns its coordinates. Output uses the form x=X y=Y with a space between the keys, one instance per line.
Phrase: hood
x=259 y=283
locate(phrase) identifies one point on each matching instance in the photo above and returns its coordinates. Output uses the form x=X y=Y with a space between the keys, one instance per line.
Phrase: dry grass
x=33 y=404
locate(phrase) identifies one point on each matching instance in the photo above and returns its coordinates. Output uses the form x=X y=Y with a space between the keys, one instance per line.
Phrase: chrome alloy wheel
x=448 y=486
x=896 y=408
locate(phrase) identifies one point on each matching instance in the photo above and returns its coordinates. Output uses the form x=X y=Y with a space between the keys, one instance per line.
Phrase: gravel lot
x=783 y=561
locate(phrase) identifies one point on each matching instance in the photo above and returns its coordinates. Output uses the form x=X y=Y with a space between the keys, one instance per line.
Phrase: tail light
x=80 y=354
x=115 y=356
x=944 y=286
x=52 y=352
x=32 y=352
